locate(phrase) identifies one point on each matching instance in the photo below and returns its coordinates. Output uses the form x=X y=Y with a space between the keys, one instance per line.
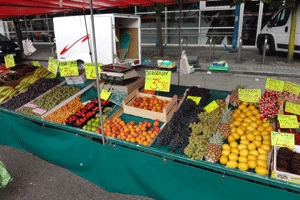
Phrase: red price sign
x=158 y=80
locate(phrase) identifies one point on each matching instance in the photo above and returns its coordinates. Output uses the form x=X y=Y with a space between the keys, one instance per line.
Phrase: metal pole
x=210 y=54
x=214 y=46
x=240 y=49
x=96 y=68
x=265 y=49
x=180 y=45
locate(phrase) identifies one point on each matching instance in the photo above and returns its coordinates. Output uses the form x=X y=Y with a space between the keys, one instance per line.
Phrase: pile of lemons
x=249 y=141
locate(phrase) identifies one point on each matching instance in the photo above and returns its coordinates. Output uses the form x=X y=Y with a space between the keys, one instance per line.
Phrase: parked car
x=9 y=47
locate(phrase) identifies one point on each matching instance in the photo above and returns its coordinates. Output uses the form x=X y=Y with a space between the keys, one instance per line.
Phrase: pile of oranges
x=131 y=132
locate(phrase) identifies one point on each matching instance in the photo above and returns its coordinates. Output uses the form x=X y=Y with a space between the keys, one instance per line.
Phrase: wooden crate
x=164 y=116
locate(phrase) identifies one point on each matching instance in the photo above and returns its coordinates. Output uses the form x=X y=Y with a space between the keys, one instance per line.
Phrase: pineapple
x=214 y=150
x=224 y=126
x=234 y=98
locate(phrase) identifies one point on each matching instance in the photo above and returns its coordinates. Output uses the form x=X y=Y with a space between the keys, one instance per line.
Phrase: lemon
x=244 y=142
x=266 y=147
x=223 y=160
x=241 y=107
x=262 y=157
x=253 y=152
x=254 y=124
x=262 y=163
x=252 y=164
x=253 y=118
x=260 y=128
x=233 y=156
x=266 y=137
x=244 y=152
x=235 y=135
x=233 y=130
x=243 y=137
x=267 y=142
x=260 y=170
x=230 y=138
x=236 y=123
x=243 y=166
x=225 y=152
x=245 y=103
x=258 y=138
x=270 y=128
x=255 y=112
x=242 y=146
x=251 y=157
x=233 y=144
x=243 y=115
x=245 y=110
x=262 y=151
x=226 y=146
x=238 y=111
x=239 y=119
x=257 y=143
x=264 y=132
x=249 y=113
x=251 y=137
x=251 y=107
x=234 y=115
x=248 y=120
x=251 y=146
x=258 y=121
x=256 y=132
x=245 y=124
x=232 y=164
x=240 y=131
x=242 y=159
x=266 y=124
x=235 y=150
x=250 y=128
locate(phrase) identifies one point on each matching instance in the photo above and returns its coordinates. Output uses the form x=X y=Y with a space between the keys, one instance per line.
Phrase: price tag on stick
x=105 y=94
x=9 y=61
x=292 y=88
x=292 y=108
x=158 y=80
x=283 y=139
x=53 y=65
x=36 y=63
x=68 y=68
x=288 y=121
x=196 y=99
x=211 y=107
x=90 y=70
x=250 y=95
x=273 y=84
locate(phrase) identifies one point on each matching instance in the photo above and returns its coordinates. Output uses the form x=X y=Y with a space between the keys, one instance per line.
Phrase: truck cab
x=278 y=31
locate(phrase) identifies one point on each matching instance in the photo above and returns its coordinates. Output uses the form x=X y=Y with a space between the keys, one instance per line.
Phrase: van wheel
x=80 y=64
x=269 y=47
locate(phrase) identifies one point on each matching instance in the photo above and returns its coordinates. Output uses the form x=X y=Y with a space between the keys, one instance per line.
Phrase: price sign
x=31 y=105
x=158 y=80
x=39 y=111
x=211 y=107
x=90 y=70
x=273 y=84
x=53 y=65
x=68 y=68
x=292 y=88
x=196 y=99
x=9 y=61
x=288 y=121
x=249 y=95
x=36 y=63
x=292 y=108
x=283 y=139
x=105 y=94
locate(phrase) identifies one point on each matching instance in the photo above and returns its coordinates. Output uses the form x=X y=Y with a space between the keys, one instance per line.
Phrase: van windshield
x=3 y=38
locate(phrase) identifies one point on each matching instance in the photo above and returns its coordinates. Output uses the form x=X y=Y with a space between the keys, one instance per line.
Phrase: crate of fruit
x=150 y=106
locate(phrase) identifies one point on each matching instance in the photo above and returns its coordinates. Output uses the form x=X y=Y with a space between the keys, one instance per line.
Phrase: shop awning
x=38 y=7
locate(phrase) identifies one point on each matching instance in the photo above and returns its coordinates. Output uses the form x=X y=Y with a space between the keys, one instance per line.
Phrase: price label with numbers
x=288 y=121
x=158 y=80
x=250 y=95
x=53 y=65
x=292 y=108
x=283 y=139
x=39 y=111
x=292 y=88
x=105 y=94
x=211 y=107
x=90 y=70
x=36 y=63
x=68 y=68
x=9 y=61
x=273 y=84
x=196 y=99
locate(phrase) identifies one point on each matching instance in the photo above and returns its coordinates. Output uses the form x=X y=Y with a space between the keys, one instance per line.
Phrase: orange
x=140 y=142
x=250 y=128
x=231 y=138
x=231 y=125
x=145 y=143
x=258 y=138
x=128 y=139
x=149 y=139
x=234 y=115
x=245 y=103
x=245 y=124
x=243 y=115
x=251 y=107
x=241 y=107
x=239 y=119
x=249 y=113
x=248 y=120
x=243 y=137
x=236 y=123
x=233 y=130
x=265 y=132
x=240 y=131
x=260 y=128
x=251 y=146
x=255 y=111
x=251 y=137
x=266 y=137
x=266 y=124
x=258 y=121
x=237 y=111
x=269 y=128
x=235 y=135
x=253 y=118
x=133 y=140
x=244 y=142
x=256 y=132
x=257 y=143
x=253 y=124
x=245 y=110
x=143 y=138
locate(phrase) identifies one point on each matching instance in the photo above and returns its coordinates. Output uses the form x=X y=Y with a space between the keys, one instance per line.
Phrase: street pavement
x=35 y=178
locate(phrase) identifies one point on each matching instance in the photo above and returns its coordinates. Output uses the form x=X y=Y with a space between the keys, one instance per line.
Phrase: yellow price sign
x=9 y=61
x=68 y=68
x=158 y=80
x=250 y=95
x=36 y=63
x=105 y=94
x=273 y=84
x=283 y=139
x=211 y=107
x=196 y=99
x=288 y=121
x=53 y=65
x=292 y=108
x=90 y=70
x=292 y=88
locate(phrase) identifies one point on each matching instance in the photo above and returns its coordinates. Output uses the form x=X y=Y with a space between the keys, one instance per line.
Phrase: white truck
x=118 y=38
x=278 y=31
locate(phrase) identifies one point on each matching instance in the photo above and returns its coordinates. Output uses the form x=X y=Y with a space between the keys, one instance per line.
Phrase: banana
x=7 y=91
x=3 y=88
x=3 y=99
x=10 y=92
x=33 y=80
x=22 y=90
x=13 y=94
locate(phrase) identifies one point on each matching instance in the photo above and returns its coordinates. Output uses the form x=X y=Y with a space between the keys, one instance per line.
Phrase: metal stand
x=212 y=44
x=240 y=49
x=265 y=49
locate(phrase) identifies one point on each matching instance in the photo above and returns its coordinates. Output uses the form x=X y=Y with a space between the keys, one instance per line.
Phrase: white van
x=278 y=32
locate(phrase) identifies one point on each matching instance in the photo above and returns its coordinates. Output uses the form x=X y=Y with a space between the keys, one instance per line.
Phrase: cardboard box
x=74 y=80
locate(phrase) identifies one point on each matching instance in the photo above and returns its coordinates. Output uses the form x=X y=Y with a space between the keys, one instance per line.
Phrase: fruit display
x=290 y=97
x=249 y=141
x=268 y=104
x=55 y=97
x=224 y=126
x=94 y=123
x=199 y=92
x=234 y=97
x=28 y=111
x=150 y=103
x=42 y=72
x=27 y=82
x=40 y=87
x=7 y=92
x=288 y=161
x=61 y=114
x=214 y=147
x=142 y=133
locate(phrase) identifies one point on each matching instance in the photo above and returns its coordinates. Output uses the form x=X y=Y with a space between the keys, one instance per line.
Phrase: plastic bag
x=184 y=64
x=5 y=177
x=28 y=47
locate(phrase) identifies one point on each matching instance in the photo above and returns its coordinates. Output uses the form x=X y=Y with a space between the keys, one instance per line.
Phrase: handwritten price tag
x=39 y=111
x=9 y=61
x=105 y=94
x=158 y=80
x=288 y=121
x=211 y=107
x=292 y=88
x=68 y=68
x=90 y=70
x=31 y=105
x=283 y=139
x=273 y=84
x=292 y=108
x=196 y=99
x=36 y=63
x=53 y=65
x=249 y=95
